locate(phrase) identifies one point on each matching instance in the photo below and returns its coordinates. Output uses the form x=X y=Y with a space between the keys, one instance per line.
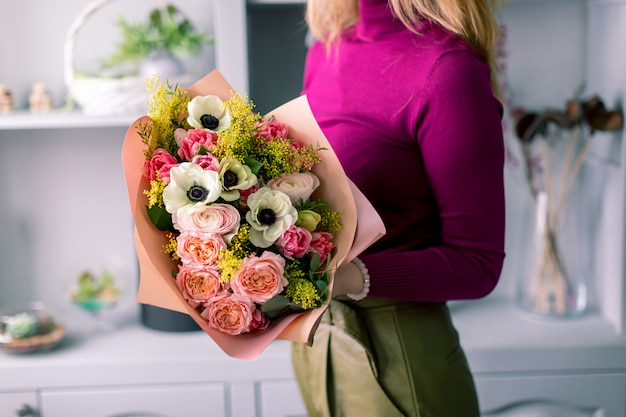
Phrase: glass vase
x=554 y=275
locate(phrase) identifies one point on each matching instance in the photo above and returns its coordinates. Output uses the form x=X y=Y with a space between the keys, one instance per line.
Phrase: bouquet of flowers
x=248 y=231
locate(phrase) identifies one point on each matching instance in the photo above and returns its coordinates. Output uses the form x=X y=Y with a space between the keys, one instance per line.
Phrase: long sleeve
x=416 y=126
x=460 y=138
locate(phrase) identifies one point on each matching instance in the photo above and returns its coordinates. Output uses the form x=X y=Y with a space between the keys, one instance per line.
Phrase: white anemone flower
x=209 y=113
x=190 y=184
x=235 y=176
x=271 y=213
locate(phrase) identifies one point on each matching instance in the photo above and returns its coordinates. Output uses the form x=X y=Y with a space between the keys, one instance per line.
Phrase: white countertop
x=498 y=338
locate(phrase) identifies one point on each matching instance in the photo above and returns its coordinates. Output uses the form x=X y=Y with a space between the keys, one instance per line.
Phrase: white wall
x=64 y=208
x=43 y=239
x=607 y=161
x=545 y=47
x=63 y=201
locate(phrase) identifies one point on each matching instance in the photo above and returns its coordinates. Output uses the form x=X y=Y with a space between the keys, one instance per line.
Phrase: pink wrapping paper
x=361 y=226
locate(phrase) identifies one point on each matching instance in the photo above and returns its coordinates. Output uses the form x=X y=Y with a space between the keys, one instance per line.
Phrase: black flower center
x=209 y=121
x=267 y=217
x=197 y=193
x=230 y=179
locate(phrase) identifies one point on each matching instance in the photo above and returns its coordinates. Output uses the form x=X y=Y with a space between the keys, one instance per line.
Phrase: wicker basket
x=101 y=96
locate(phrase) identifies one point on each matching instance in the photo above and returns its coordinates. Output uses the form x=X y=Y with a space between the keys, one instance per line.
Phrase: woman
x=403 y=90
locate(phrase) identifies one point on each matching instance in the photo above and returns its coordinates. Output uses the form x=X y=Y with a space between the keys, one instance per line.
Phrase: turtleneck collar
x=375 y=20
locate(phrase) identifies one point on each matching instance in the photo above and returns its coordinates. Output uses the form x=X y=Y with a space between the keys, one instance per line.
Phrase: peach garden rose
x=198 y=283
x=201 y=247
x=260 y=277
x=230 y=314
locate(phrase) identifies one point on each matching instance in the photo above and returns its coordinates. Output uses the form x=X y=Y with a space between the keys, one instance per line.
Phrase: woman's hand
x=348 y=280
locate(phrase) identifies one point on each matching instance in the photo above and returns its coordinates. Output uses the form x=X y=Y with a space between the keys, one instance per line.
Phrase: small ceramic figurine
x=39 y=100
x=6 y=99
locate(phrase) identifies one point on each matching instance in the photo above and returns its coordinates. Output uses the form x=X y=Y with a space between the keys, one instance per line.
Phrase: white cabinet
x=273 y=396
x=18 y=404
x=189 y=400
x=138 y=372
x=553 y=396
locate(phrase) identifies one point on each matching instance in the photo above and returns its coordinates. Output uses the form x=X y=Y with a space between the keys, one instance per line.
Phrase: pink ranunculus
x=322 y=244
x=299 y=185
x=271 y=129
x=190 y=144
x=198 y=283
x=207 y=162
x=221 y=219
x=204 y=137
x=259 y=321
x=229 y=313
x=196 y=246
x=260 y=277
x=294 y=242
x=161 y=161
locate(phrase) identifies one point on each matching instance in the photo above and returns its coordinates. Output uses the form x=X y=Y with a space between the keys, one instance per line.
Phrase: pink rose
x=271 y=128
x=244 y=194
x=161 y=161
x=259 y=321
x=229 y=313
x=260 y=278
x=299 y=185
x=221 y=219
x=190 y=144
x=207 y=162
x=322 y=244
x=198 y=284
x=294 y=242
x=196 y=246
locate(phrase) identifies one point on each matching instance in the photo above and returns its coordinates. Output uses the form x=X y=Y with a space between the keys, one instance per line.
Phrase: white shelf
x=134 y=354
x=24 y=120
x=500 y=338
x=497 y=337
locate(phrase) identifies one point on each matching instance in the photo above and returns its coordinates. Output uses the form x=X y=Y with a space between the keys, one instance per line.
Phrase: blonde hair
x=473 y=20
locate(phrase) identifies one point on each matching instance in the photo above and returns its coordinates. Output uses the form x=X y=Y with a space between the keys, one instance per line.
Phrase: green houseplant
x=166 y=31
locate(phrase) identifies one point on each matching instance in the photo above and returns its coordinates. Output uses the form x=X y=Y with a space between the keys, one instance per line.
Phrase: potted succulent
x=96 y=292
x=153 y=43
x=29 y=328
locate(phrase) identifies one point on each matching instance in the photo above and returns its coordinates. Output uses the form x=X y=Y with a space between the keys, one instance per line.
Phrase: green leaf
x=279 y=304
x=160 y=218
x=314 y=265
x=321 y=285
x=254 y=165
x=274 y=306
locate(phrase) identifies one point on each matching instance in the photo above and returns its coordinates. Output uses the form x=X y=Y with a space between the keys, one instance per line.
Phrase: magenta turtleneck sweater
x=417 y=128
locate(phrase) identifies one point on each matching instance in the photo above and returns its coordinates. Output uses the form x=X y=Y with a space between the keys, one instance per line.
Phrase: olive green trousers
x=380 y=358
